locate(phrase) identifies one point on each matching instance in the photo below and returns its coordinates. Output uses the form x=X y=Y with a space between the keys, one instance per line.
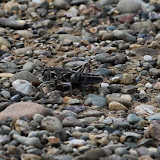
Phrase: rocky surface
x=117 y=119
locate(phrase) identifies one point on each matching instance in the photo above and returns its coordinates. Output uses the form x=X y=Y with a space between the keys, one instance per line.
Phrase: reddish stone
x=126 y=18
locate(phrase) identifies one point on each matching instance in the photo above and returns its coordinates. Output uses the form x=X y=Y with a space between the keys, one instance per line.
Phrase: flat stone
x=63 y=157
x=29 y=141
x=128 y=6
x=24 y=33
x=96 y=100
x=25 y=75
x=7 y=22
x=144 y=51
x=22 y=109
x=94 y=154
x=75 y=64
x=124 y=36
x=22 y=86
x=138 y=26
x=114 y=97
x=30 y=156
x=60 y=4
x=145 y=109
x=130 y=89
x=69 y=37
x=92 y=113
x=155 y=116
x=132 y=134
x=8 y=67
x=116 y=106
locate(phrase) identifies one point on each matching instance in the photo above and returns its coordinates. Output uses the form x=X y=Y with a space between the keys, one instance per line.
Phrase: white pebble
x=104 y=85
x=148 y=85
x=142 y=92
x=147 y=58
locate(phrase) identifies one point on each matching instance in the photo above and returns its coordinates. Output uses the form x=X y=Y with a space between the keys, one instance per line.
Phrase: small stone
x=99 y=139
x=53 y=140
x=73 y=101
x=22 y=86
x=24 y=75
x=6 y=94
x=132 y=134
x=155 y=116
x=30 y=156
x=77 y=142
x=128 y=79
x=154 y=130
x=7 y=22
x=145 y=109
x=71 y=122
x=38 y=118
x=96 y=100
x=51 y=124
x=120 y=151
x=114 y=97
x=116 y=106
x=55 y=97
x=145 y=158
x=137 y=27
x=94 y=154
x=157 y=99
x=133 y=118
x=154 y=72
x=92 y=113
x=25 y=33
x=148 y=85
x=128 y=6
x=69 y=37
x=143 y=50
x=147 y=58
x=29 y=66
x=130 y=89
x=124 y=36
x=60 y=4
x=157 y=86
x=4 y=42
x=104 y=85
x=29 y=141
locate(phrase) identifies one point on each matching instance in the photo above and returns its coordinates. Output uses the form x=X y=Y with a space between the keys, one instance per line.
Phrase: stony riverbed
x=118 y=119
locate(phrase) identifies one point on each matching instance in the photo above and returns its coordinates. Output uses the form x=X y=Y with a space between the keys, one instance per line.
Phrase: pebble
x=22 y=86
x=96 y=100
x=94 y=154
x=29 y=141
x=17 y=110
x=55 y=97
x=24 y=75
x=125 y=6
x=145 y=109
x=116 y=106
x=29 y=66
x=71 y=122
x=133 y=118
x=115 y=118
x=51 y=124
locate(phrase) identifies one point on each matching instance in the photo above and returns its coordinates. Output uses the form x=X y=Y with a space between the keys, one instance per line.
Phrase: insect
x=70 y=77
